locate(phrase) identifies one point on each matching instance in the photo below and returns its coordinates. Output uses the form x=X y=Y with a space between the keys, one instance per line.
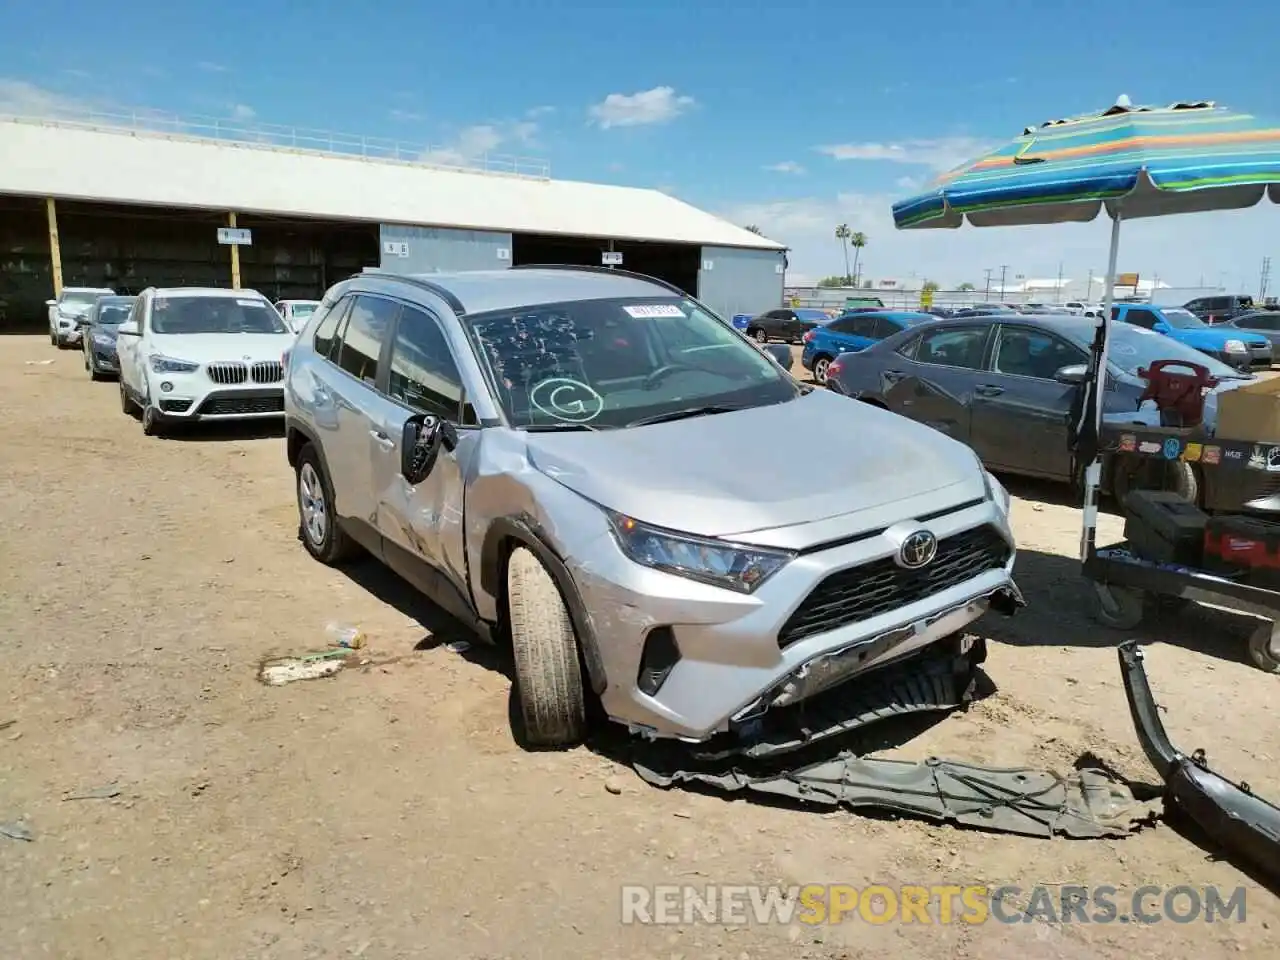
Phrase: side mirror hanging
x=420 y=442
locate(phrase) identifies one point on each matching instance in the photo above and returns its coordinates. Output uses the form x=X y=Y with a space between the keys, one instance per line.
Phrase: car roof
x=482 y=291
x=207 y=292
x=88 y=290
x=298 y=301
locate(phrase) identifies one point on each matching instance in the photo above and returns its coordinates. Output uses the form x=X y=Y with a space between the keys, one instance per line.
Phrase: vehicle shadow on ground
x=1059 y=612
x=226 y=432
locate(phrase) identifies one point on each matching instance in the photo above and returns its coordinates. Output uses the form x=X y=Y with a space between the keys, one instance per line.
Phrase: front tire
x=324 y=539
x=152 y=421
x=1264 y=648
x=548 y=676
x=127 y=404
x=760 y=336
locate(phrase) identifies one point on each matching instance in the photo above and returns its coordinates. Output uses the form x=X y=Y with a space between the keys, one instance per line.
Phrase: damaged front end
x=1247 y=826
x=842 y=691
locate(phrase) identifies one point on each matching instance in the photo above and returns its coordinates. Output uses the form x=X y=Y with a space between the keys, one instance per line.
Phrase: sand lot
x=387 y=812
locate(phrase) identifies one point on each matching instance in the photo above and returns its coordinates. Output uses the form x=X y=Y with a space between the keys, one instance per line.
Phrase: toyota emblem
x=918 y=550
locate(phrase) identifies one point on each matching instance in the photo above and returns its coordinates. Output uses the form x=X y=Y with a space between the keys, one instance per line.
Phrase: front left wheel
x=548 y=675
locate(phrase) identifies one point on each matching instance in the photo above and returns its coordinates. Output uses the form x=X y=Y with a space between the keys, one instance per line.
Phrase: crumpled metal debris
x=1087 y=804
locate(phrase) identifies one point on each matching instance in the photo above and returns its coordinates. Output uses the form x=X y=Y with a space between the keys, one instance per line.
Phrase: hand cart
x=1128 y=585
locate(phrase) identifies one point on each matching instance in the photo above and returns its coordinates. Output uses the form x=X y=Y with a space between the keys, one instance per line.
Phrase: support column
x=55 y=246
x=235 y=254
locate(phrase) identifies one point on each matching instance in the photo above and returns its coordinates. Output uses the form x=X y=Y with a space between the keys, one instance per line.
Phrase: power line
x=1265 y=278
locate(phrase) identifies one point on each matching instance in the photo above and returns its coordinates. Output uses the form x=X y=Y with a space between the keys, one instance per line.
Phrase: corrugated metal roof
x=74 y=161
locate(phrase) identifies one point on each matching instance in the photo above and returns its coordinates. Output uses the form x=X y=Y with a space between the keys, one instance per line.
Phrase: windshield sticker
x=1123 y=350
x=570 y=401
x=645 y=311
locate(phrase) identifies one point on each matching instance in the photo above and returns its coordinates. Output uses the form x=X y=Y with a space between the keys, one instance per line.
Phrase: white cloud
x=659 y=105
x=19 y=98
x=208 y=66
x=472 y=143
x=534 y=113
x=786 y=166
x=242 y=111
x=908 y=183
x=1224 y=248
x=404 y=116
x=940 y=154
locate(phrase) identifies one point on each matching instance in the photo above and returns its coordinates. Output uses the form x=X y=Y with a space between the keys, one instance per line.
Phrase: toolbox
x=1247 y=542
x=1165 y=527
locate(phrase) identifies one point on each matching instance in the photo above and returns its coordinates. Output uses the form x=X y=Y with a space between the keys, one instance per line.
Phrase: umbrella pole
x=1093 y=473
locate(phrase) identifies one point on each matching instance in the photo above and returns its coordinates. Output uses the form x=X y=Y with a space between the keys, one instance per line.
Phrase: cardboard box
x=1250 y=412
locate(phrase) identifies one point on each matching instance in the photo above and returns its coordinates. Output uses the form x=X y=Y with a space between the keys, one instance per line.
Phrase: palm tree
x=754 y=229
x=843 y=233
x=857 y=240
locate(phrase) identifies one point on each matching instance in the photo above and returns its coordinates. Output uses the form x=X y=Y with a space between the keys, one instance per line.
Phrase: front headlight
x=737 y=567
x=1235 y=346
x=102 y=340
x=996 y=491
x=163 y=364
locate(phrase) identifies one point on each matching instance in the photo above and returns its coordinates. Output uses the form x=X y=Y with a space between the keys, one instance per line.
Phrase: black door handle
x=988 y=390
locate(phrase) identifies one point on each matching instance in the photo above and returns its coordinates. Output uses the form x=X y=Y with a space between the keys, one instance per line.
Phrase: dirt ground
x=387 y=812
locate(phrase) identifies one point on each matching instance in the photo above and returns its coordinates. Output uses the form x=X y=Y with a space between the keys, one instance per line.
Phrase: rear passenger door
x=422 y=524
x=347 y=388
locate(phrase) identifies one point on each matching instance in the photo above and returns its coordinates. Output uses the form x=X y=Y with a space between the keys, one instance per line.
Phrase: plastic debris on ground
x=313 y=666
x=95 y=793
x=346 y=636
x=1086 y=804
x=16 y=831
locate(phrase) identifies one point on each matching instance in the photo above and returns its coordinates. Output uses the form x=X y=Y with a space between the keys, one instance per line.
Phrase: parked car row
x=568 y=460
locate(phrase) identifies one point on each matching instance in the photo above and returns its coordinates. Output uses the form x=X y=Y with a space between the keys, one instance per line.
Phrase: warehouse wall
x=734 y=280
x=436 y=249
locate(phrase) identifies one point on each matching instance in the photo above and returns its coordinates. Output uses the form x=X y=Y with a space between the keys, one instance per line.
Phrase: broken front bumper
x=1247 y=826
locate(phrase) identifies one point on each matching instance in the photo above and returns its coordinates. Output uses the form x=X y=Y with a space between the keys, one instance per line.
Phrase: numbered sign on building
x=611 y=258
x=235 y=236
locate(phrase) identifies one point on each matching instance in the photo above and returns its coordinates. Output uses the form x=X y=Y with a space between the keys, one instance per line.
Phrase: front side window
x=610 y=363
x=953 y=347
x=190 y=315
x=1023 y=352
x=367 y=328
x=327 y=331
x=423 y=375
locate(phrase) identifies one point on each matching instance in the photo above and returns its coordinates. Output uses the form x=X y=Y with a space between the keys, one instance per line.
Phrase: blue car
x=851 y=332
x=1234 y=347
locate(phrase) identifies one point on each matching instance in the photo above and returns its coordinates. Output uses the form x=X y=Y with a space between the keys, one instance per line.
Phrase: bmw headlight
x=163 y=364
x=1235 y=346
x=737 y=567
x=102 y=340
x=996 y=491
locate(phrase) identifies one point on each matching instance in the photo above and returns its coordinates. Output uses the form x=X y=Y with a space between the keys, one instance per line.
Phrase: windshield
x=1133 y=347
x=179 y=315
x=609 y=363
x=114 y=313
x=81 y=298
x=1182 y=319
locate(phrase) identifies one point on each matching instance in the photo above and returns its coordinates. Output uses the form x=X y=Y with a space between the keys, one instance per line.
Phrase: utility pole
x=1264 y=279
x=987 y=294
x=1004 y=268
x=1059 y=286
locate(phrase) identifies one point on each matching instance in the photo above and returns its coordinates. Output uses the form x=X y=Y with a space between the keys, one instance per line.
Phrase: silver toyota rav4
x=590 y=466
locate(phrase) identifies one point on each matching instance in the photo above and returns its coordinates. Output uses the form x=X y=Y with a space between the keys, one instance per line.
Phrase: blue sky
x=794 y=116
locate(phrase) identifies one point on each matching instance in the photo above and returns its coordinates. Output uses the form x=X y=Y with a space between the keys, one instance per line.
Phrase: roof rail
x=591 y=268
x=444 y=294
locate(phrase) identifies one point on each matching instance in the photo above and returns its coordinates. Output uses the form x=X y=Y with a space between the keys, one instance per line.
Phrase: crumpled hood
x=209 y=347
x=818 y=456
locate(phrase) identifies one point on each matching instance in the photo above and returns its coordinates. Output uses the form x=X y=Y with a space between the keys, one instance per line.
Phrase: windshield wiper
x=557 y=427
x=686 y=414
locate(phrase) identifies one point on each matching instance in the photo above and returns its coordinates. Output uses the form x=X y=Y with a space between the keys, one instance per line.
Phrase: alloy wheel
x=311 y=501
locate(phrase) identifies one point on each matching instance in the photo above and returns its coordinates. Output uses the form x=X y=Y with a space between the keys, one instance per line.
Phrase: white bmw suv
x=189 y=354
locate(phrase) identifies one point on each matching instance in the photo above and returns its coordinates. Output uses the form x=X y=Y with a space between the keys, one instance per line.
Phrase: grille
x=267 y=371
x=228 y=372
x=866 y=591
x=241 y=406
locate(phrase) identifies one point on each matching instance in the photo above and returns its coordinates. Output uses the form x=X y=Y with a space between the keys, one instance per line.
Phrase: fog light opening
x=166 y=386
x=658 y=660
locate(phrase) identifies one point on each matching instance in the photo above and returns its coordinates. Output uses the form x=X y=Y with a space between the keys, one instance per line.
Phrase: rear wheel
x=1120 y=608
x=760 y=335
x=820 y=365
x=548 y=675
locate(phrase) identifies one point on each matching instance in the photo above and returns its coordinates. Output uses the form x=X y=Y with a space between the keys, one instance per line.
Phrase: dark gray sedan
x=1265 y=322
x=1005 y=386
x=100 y=326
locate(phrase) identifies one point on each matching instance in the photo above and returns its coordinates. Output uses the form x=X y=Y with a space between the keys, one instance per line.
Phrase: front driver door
x=932 y=380
x=1021 y=414
x=422 y=524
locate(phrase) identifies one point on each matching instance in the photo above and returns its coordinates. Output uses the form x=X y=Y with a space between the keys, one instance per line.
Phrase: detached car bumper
x=690 y=661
